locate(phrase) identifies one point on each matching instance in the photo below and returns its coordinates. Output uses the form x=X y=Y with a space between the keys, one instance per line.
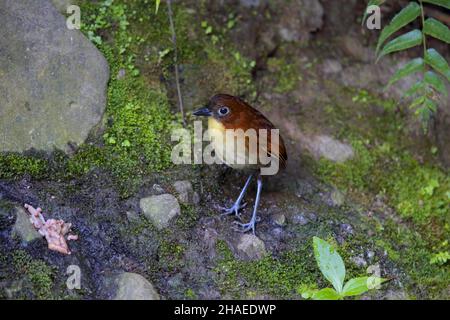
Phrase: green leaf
x=418 y=102
x=329 y=262
x=326 y=294
x=437 y=29
x=437 y=62
x=371 y=3
x=443 y=3
x=415 y=88
x=157 y=3
x=409 y=68
x=355 y=287
x=406 y=41
x=436 y=82
x=405 y=16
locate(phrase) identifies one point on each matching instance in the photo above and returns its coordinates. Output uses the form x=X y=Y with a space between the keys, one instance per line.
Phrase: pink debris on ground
x=53 y=230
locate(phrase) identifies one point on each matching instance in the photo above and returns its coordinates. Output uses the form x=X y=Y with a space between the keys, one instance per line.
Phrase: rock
x=300 y=219
x=353 y=48
x=279 y=219
x=331 y=66
x=337 y=198
x=300 y=18
x=329 y=148
x=186 y=193
x=132 y=216
x=359 y=261
x=251 y=247
x=160 y=209
x=158 y=189
x=23 y=227
x=53 y=80
x=132 y=286
x=346 y=229
x=250 y=3
x=61 y=5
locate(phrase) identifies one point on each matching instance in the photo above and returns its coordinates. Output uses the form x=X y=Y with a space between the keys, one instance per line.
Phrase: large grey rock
x=23 y=227
x=160 y=209
x=52 y=79
x=132 y=286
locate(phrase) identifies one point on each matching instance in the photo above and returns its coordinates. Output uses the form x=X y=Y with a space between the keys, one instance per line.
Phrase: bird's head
x=223 y=108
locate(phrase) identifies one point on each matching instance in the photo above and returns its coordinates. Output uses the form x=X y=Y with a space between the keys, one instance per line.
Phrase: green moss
x=416 y=191
x=280 y=277
x=170 y=255
x=37 y=271
x=15 y=165
x=188 y=218
x=287 y=74
x=419 y=192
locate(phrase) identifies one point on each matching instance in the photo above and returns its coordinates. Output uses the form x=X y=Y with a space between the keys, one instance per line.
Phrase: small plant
x=440 y=258
x=333 y=269
x=432 y=65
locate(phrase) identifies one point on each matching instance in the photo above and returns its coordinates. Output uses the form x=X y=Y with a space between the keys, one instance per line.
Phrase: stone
x=346 y=229
x=337 y=198
x=23 y=227
x=279 y=219
x=132 y=216
x=353 y=48
x=62 y=5
x=359 y=261
x=251 y=247
x=52 y=82
x=300 y=219
x=300 y=18
x=132 y=286
x=250 y=3
x=160 y=209
x=331 y=66
x=186 y=193
x=329 y=148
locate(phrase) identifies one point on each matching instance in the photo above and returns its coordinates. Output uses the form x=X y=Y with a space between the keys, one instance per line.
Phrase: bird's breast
x=227 y=149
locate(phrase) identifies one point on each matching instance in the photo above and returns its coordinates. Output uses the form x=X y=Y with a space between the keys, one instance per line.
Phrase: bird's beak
x=204 y=111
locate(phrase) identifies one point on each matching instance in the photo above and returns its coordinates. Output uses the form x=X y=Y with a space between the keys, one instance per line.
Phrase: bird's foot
x=234 y=209
x=244 y=227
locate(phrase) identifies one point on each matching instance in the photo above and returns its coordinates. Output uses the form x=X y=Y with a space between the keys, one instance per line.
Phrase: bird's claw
x=244 y=227
x=234 y=209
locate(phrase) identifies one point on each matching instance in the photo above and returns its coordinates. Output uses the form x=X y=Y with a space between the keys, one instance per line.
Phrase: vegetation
x=432 y=65
x=333 y=269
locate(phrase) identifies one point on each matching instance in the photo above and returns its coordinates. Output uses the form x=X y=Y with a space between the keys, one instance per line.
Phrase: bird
x=226 y=112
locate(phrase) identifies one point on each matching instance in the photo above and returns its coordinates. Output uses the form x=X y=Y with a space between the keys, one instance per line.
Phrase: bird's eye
x=224 y=111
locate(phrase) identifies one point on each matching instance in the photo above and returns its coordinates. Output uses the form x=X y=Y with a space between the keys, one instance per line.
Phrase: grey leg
x=244 y=227
x=237 y=204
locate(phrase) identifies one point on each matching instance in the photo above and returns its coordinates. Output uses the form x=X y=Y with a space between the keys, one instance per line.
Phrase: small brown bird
x=227 y=112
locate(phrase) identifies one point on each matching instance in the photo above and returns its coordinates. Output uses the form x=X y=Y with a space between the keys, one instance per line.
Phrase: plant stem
x=175 y=60
x=423 y=26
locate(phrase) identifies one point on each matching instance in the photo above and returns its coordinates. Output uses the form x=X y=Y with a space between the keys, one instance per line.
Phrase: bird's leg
x=237 y=204
x=244 y=227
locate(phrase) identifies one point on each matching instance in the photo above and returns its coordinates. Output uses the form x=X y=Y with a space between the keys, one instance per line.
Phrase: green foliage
x=15 y=165
x=279 y=276
x=440 y=258
x=157 y=3
x=425 y=93
x=442 y=3
x=416 y=191
x=287 y=75
x=37 y=271
x=333 y=269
